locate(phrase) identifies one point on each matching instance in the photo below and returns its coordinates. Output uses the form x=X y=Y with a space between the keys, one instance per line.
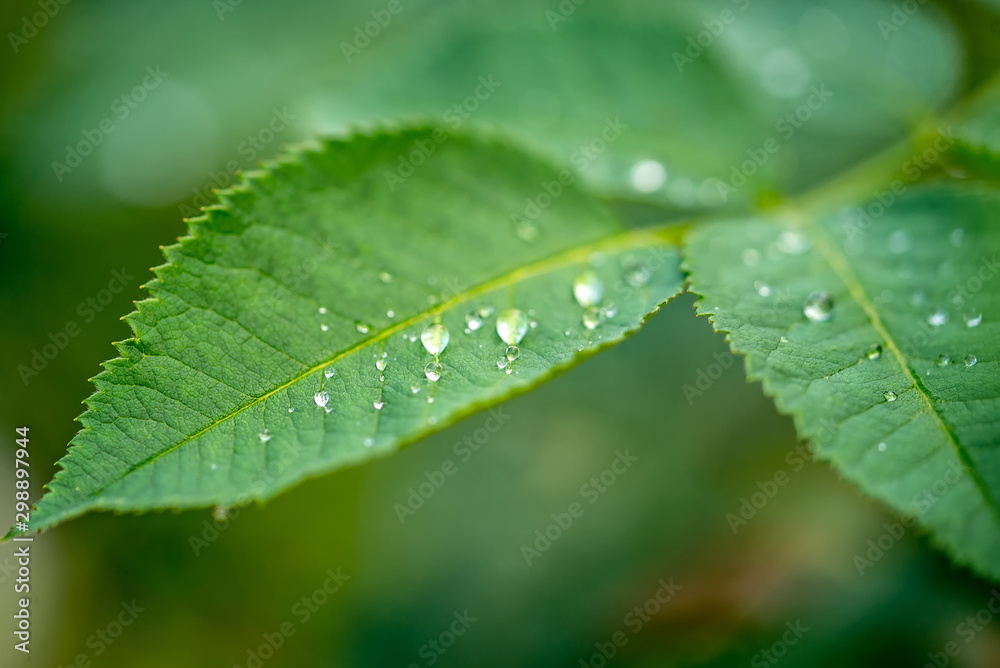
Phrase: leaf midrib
x=636 y=238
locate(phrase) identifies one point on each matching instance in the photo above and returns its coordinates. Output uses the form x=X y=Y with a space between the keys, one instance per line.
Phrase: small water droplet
x=751 y=256
x=509 y=370
x=899 y=242
x=792 y=243
x=473 y=320
x=512 y=325
x=970 y=360
x=328 y=409
x=568 y=332
x=819 y=307
x=956 y=237
x=324 y=328
x=362 y=327
x=381 y=363
x=219 y=513
x=385 y=276
x=636 y=274
x=214 y=466
x=881 y=447
x=264 y=436
x=973 y=319
x=390 y=314
x=890 y=396
x=918 y=298
x=322 y=398
x=874 y=351
x=413 y=338
x=433 y=371
x=783 y=340
x=291 y=409
x=763 y=289
x=526 y=230
x=592 y=318
x=609 y=310
x=430 y=400
x=415 y=389
x=378 y=404
x=502 y=362
x=532 y=324
x=512 y=353
x=435 y=338
x=648 y=176
x=937 y=317
x=329 y=372
x=322 y=310
x=943 y=360
x=369 y=442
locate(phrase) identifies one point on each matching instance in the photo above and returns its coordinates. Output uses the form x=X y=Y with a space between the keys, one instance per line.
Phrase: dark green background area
x=664 y=519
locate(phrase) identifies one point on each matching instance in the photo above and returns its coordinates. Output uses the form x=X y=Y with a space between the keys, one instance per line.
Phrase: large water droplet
x=973 y=319
x=264 y=436
x=938 y=317
x=819 y=307
x=588 y=289
x=435 y=338
x=970 y=360
x=512 y=325
x=512 y=353
x=890 y=396
x=592 y=318
x=874 y=351
x=322 y=399
x=433 y=371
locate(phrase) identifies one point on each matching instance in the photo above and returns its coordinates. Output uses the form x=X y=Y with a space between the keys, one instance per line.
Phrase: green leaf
x=918 y=279
x=321 y=265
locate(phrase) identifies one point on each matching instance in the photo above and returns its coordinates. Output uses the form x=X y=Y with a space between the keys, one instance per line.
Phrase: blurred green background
x=240 y=79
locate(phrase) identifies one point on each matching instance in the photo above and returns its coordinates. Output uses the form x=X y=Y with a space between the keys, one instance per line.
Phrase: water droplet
x=636 y=274
x=378 y=404
x=291 y=409
x=819 y=307
x=385 y=276
x=648 y=176
x=783 y=340
x=415 y=389
x=433 y=371
x=956 y=237
x=381 y=363
x=369 y=442
x=213 y=466
x=792 y=243
x=970 y=360
x=874 y=351
x=943 y=360
x=899 y=242
x=324 y=328
x=881 y=447
x=219 y=513
x=568 y=332
x=763 y=289
x=502 y=362
x=413 y=338
x=362 y=327
x=512 y=353
x=328 y=372
x=592 y=318
x=938 y=317
x=473 y=319
x=264 y=436
x=890 y=396
x=918 y=298
x=509 y=370
x=321 y=399
x=435 y=338
x=328 y=409
x=526 y=230
x=430 y=400
x=588 y=289
x=390 y=314
x=322 y=310
x=512 y=325
x=751 y=256
x=973 y=319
